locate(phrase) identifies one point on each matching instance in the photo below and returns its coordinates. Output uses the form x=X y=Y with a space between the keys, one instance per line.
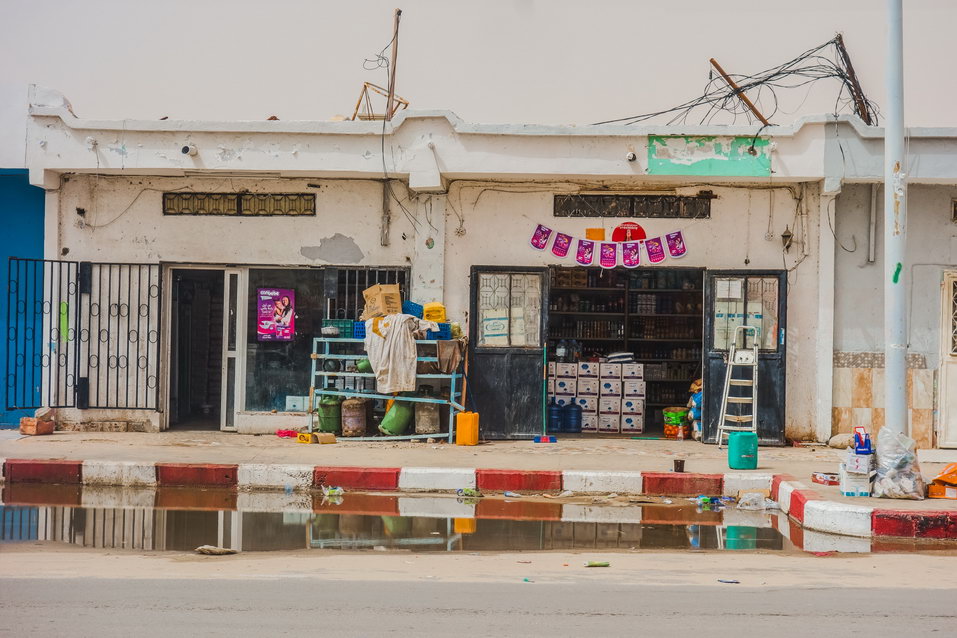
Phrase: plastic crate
x=359 y=330
x=443 y=333
x=412 y=308
x=344 y=326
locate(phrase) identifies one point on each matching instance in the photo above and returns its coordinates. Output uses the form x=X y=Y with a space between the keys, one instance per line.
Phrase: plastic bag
x=898 y=475
x=756 y=501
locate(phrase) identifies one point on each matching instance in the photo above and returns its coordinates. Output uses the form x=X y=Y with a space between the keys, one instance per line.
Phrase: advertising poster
x=276 y=314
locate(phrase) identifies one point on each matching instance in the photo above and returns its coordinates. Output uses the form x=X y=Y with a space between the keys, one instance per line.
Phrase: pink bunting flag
x=608 y=255
x=562 y=243
x=676 y=244
x=586 y=252
x=656 y=250
x=631 y=254
x=540 y=237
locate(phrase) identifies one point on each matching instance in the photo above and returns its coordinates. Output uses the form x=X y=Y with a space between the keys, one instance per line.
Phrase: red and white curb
x=816 y=518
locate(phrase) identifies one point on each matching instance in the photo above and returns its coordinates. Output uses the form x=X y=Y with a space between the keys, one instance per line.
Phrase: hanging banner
x=562 y=243
x=540 y=237
x=276 y=316
x=586 y=252
x=656 y=250
x=608 y=255
x=631 y=254
x=676 y=244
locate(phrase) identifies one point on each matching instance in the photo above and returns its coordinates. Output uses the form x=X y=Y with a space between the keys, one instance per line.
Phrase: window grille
x=239 y=204
x=641 y=206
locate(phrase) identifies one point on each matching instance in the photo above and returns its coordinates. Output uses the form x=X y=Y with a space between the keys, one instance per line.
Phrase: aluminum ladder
x=741 y=358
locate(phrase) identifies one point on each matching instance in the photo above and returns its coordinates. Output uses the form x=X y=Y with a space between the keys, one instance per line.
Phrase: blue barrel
x=743 y=451
x=555 y=419
x=573 y=419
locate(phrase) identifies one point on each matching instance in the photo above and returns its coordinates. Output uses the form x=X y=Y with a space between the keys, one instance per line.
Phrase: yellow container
x=466 y=428
x=463 y=525
x=434 y=311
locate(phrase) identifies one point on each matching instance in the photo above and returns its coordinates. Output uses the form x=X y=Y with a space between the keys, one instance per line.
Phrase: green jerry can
x=743 y=451
x=330 y=413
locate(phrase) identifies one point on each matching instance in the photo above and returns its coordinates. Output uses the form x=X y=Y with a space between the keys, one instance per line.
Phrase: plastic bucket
x=743 y=451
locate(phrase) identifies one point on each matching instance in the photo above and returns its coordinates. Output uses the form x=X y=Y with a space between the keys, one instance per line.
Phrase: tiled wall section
x=859 y=400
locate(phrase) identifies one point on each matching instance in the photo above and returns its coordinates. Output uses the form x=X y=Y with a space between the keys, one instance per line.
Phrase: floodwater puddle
x=181 y=519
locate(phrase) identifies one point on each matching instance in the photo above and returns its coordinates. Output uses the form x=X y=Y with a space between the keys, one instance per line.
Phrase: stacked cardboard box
x=611 y=395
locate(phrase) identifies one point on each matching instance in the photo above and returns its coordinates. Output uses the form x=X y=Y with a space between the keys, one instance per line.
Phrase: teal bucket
x=743 y=451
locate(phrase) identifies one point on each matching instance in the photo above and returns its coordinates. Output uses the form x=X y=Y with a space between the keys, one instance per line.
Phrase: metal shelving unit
x=321 y=347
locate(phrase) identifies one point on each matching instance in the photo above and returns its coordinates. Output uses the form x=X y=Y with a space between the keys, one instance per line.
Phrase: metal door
x=754 y=298
x=948 y=364
x=506 y=359
x=82 y=334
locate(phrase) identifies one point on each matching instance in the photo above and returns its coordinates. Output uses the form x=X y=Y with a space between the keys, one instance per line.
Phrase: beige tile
x=843 y=382
x=877 y=387
x=877 y=422
x=922 y=390
x=861 y=417
x=841 y=421
x=922 y=428
x=862 y=387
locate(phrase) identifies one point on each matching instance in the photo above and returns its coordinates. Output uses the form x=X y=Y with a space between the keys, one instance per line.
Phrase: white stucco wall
x=931 y=248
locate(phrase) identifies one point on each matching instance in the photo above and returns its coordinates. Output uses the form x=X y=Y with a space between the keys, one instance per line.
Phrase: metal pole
x=737 y=91
x=390 y=102
x=895 y=224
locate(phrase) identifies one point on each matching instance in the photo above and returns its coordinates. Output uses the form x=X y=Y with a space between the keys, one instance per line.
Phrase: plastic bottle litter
x=330 y=490
x=729 y=581
x=512 y=495
x=468 y=491
x=597 y=563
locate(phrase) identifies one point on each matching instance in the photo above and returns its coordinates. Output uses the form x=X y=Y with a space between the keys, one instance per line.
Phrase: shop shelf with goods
x=345 y=353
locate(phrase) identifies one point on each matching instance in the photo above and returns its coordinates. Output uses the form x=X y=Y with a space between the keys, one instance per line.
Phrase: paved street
x=74 y=607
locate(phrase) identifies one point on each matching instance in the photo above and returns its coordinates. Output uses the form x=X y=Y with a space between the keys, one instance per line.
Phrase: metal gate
x=82 y=335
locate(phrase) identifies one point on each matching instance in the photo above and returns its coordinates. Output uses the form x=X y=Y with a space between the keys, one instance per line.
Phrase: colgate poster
x=276 y=314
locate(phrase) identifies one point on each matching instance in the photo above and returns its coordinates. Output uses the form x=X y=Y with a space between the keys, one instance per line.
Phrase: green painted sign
x=709 y=156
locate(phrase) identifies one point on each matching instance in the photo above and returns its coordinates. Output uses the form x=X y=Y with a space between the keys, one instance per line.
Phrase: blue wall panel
x=21 y=235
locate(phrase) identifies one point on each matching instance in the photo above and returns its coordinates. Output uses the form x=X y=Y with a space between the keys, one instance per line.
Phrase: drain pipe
x=895 y=226
x=872 y=228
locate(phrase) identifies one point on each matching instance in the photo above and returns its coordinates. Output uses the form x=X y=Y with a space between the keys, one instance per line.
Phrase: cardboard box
x=589 y=405
x=632 y=371
x=381 y=300
x=551 y=385
x=609 y=405
x=634 y=388
x=632 y=422
x=563 y=399
x=609 y=423
x=588 y=369
x=588 y=387
x=566 y=370
x=632 y=406
x=609 y=371
x=935 y=490
x=566 y=386
x=551 y=368
x=859 y=463
x=589 y=423
x=609 y=388
x=854 y=484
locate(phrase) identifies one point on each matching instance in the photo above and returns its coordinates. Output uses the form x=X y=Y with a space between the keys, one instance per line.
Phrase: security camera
x=630 y=156
x=189 y=149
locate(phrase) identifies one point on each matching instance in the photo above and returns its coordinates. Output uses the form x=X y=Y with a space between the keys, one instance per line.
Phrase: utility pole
x=389 y=106
x=895 y=226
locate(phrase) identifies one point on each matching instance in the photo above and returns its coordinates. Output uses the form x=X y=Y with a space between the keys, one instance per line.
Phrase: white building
x=456 y=215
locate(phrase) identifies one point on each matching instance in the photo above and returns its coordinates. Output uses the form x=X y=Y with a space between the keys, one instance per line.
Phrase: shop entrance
x=196 y=349
x=753 y=298
x=648 y=321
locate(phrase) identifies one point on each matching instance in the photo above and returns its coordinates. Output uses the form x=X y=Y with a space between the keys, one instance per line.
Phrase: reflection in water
x=181 y=520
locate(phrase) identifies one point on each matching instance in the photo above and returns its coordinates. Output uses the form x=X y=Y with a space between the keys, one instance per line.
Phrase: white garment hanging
x=390 y=345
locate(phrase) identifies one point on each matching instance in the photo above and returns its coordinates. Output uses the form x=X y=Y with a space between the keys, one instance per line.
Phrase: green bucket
x=743 y=451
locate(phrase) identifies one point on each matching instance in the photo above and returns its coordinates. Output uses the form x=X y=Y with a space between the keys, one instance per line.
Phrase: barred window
x=241 y=204
x=665 y=206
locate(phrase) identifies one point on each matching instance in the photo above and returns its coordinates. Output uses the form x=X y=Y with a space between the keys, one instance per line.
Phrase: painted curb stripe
x=357 y=478
x=674 y=484
x=518 y=480
x=187 y=474
x=43 y=471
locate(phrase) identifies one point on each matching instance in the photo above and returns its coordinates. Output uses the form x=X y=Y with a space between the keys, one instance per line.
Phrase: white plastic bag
x=898 y=475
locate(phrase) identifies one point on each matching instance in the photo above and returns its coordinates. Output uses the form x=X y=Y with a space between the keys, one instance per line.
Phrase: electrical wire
x=718 y=97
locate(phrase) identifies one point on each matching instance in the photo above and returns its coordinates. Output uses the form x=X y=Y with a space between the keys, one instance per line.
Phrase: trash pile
x=898 y=475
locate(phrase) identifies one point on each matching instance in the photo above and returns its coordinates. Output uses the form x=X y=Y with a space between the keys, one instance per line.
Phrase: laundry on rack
x=390 y=344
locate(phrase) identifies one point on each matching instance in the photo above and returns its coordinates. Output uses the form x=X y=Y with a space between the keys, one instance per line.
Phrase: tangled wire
x=811 y=66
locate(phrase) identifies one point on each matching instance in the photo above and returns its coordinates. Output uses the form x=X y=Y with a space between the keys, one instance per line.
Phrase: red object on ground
x=517 y=480
x=287 y=434
x=196 y=474
x=825 y=478
x=914 y=524
x=357 y=478
x=44 y=471
x=629 y=231
x=681 y=484
x=31 y=426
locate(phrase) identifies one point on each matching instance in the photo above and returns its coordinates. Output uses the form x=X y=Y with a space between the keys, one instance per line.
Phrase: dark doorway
x=196 y=357
x=507 y=368
x=759 y=299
